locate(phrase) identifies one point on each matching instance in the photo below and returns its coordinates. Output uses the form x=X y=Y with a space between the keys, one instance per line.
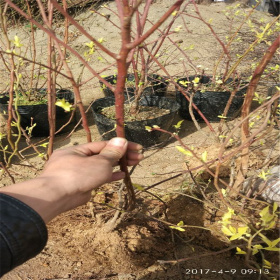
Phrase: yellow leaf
x=178 y=28
x=64 y=104
x=228 y=215
x=239 y=251
x=266 y=240
x=17 y=42
x=183 y=151
x=242 y=230
x=138 y=187
x=275 y=242
x=226 y=231
x=178 y=125
x=232 y=229
x=44 y=144
x=235 y=236
x=263 y=175
x=204 y=156
x=267 y=264
x=264 y=211
x=181 y=223
x=255 y=251
x=177 y=228
x=273 y=249
x=148 y=128
x=196 y=80
x=258 y=246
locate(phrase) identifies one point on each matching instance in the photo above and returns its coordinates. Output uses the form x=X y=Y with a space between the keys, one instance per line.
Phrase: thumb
x=114 y=149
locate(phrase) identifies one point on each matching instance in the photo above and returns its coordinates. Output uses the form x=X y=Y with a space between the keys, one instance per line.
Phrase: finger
x=134 y=156
x=132 y=146
x=89 y=149
x=114 y=149
x=132 y=162
x=94 y=148
x=118 y=175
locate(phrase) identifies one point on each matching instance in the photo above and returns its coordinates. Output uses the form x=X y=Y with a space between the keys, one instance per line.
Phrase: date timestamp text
x=243 y=271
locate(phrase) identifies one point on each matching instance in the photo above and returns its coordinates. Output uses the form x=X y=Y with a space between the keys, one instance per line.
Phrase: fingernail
x=118 y=141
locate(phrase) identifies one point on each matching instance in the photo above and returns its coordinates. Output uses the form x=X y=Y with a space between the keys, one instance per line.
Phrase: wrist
x=46 y=198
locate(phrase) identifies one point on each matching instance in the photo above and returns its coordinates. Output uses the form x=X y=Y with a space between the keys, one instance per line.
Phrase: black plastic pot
x=158 y=85
x=210 y=103
x=38 y=114
x=135 y=131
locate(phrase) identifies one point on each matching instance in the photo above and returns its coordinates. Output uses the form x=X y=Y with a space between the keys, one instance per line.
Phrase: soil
x=144 y=113
x=83 y=244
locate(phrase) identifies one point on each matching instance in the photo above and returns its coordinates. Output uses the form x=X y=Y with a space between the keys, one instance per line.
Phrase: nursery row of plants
x=144 y=95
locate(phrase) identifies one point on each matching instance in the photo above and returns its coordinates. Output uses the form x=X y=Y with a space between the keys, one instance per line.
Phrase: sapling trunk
x=245 y=132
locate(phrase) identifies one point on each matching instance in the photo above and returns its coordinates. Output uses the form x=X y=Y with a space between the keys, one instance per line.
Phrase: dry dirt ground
x=80 y=245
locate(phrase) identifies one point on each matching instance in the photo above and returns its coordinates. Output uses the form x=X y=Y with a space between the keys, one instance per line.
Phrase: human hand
x=80 y=169
x=72 y=173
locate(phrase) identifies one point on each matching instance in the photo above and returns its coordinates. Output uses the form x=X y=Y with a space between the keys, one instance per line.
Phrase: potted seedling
x=154 y=85
x=146 y=104
x=210 y=97
x=32 y=110
x=219 y=94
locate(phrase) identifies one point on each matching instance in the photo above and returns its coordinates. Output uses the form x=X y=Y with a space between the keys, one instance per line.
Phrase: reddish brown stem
x=81 y=29
x=137 y=42
x=246 y=109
